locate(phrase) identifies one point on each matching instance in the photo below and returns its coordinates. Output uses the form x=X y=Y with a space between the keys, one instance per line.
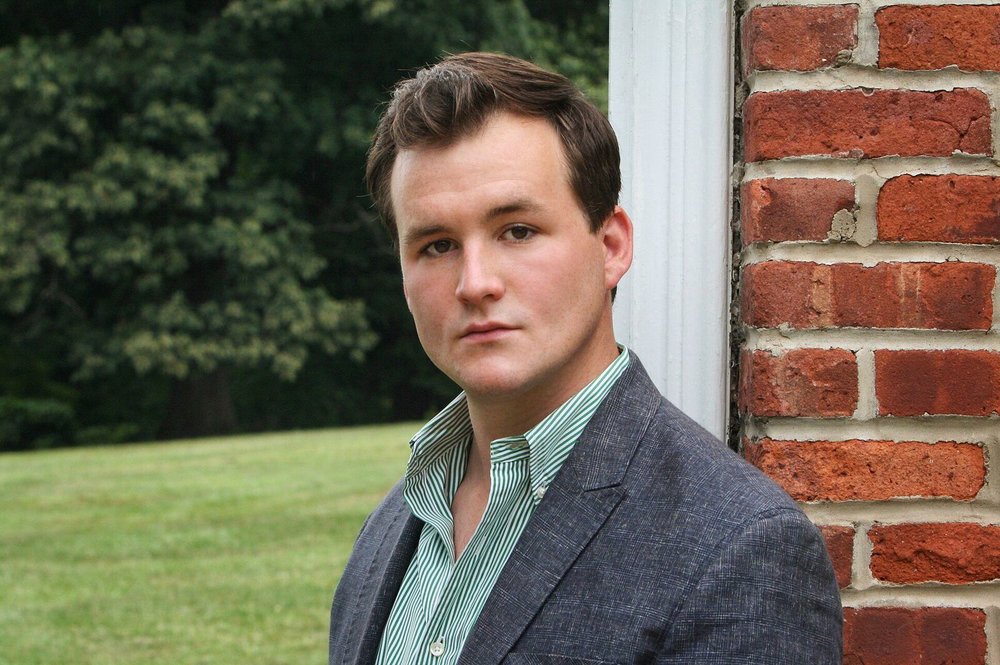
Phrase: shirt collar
x=548 y=443
x=449 y=428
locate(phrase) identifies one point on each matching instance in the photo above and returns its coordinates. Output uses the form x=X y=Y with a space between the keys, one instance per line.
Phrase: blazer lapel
x=576 y=505
x=387 y=567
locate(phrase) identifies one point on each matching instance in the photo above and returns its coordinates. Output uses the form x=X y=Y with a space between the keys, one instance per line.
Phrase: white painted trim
x=671 y=100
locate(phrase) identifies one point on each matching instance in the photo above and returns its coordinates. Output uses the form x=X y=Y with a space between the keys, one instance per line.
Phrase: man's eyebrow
x=417 y=234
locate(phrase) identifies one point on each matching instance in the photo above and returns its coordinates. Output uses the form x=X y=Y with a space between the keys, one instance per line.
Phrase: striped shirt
x=440 y=598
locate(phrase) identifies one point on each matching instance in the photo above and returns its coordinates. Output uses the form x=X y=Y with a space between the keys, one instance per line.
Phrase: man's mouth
x=485 y=331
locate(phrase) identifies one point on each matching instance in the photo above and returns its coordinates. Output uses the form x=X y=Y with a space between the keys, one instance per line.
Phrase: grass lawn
x=211 y=552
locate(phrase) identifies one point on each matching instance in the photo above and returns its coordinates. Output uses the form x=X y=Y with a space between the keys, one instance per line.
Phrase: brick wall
x=870 y=357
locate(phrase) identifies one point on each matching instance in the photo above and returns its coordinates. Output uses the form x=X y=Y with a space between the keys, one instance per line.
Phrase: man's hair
x=452 y=99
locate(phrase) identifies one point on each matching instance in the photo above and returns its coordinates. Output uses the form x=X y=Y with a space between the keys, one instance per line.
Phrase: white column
x=671 y=100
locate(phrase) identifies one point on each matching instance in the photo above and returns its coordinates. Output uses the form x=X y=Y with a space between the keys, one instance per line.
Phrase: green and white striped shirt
x=440 y=599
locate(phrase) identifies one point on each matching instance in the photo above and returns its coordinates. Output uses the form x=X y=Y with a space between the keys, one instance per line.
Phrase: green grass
x=201 y=552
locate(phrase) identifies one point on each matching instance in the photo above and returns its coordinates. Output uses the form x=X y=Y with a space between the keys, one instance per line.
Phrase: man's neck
x=495 y=417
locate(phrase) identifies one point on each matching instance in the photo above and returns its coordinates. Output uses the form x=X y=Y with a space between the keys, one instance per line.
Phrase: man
x=560 y=510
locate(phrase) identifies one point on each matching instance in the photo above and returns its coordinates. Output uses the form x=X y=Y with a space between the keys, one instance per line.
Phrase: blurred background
x=186 y=246
x=188 y=257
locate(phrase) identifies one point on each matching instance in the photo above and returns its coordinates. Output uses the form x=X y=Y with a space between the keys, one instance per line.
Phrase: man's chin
x=493 y=389
x=495 y=384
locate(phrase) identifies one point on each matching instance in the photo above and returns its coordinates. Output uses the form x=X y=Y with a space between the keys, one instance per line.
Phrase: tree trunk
x=200 y=405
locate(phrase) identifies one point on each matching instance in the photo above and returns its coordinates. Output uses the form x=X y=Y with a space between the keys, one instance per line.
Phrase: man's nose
x=480 y=278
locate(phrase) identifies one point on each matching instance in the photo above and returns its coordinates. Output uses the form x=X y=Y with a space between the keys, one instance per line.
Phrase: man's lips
x=485 y=331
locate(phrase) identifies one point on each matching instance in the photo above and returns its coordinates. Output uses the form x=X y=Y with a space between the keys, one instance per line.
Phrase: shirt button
x=540 y=492
x=518 y=445
x=437 y=648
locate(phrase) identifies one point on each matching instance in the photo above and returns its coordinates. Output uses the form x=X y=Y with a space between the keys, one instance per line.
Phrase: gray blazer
x=654 y=544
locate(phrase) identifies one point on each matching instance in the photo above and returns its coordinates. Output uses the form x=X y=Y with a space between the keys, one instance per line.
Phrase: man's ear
x=616 y=236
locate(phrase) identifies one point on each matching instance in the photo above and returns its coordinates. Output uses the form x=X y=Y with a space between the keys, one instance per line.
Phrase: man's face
x=508 y=287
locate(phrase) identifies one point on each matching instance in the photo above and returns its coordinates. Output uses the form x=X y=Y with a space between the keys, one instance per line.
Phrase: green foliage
x=180 y=195
x=34 y=423
x=136 y=208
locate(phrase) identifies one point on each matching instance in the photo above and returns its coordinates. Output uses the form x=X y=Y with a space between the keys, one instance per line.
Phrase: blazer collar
x=601 y=457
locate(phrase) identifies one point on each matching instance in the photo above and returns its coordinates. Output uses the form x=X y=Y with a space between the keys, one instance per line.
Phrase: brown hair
x=450 y=100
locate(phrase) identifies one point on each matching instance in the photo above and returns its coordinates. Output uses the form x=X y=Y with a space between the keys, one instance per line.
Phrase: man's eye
x=519 y=232
x=438 y=247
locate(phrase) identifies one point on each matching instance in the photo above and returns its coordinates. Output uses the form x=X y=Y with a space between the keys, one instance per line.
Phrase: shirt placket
x=508 y=479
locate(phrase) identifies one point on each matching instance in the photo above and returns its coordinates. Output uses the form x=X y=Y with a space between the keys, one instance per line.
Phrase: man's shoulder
x=677 y=461
x=689 y=453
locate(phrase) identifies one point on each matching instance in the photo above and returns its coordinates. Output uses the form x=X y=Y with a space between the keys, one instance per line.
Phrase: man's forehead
x=510 y=157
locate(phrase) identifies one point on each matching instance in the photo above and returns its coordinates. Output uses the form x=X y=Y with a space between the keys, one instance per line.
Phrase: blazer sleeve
x=769 y=596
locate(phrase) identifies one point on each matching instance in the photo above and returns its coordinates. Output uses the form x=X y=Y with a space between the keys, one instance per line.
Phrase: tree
x=148 y=217
x=181 y=213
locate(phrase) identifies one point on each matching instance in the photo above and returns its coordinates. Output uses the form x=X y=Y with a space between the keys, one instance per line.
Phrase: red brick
x=914 y=37
x=870 y=470
x=797 y=38
x=940 y=208
x=949 y=553
x=858 y=123
x=804 y=382
x=907 y=636
x=955 y=381
x=840 y=545
x=777 y=209
x=945 y=296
